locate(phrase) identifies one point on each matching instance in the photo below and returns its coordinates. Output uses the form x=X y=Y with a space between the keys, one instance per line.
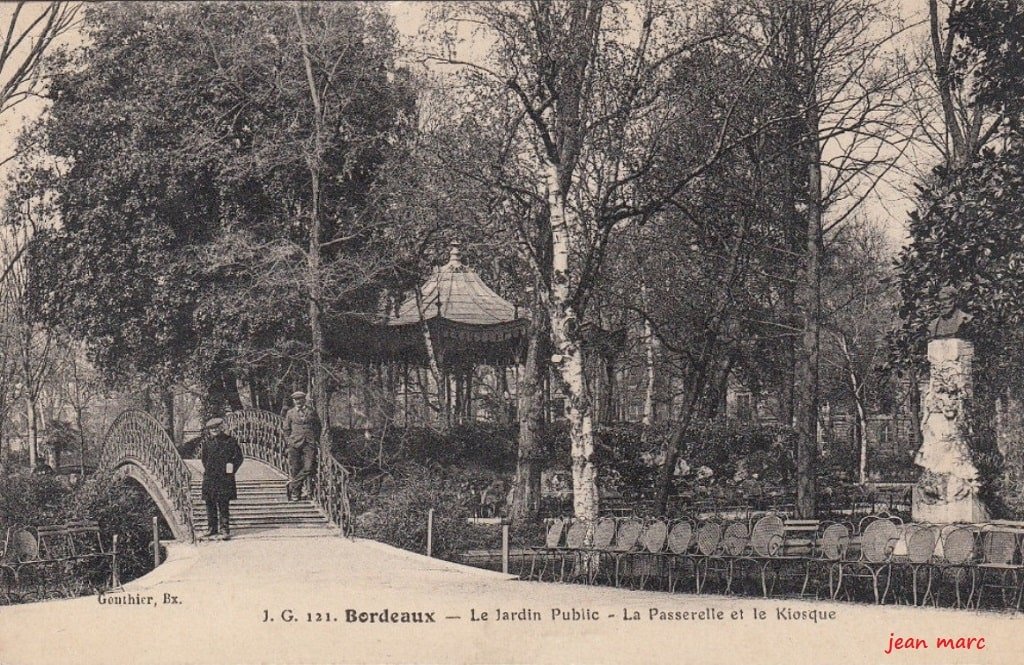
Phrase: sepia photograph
x=531 y=331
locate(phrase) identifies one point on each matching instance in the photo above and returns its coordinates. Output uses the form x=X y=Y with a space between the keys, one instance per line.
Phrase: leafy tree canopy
x=967 y=248
x=173 y=167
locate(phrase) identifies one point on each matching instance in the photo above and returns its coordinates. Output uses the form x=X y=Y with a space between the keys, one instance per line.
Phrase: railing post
x=115 y=571
x=156 y=541
x=504 y=546
x=430 y=532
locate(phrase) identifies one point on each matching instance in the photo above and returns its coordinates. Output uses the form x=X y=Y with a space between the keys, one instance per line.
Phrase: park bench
x=52 y=546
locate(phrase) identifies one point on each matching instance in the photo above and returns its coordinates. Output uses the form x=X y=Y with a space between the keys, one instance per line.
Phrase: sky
x=889 y=205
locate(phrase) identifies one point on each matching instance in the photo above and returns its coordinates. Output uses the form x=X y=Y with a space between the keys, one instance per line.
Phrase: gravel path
x=231 y=603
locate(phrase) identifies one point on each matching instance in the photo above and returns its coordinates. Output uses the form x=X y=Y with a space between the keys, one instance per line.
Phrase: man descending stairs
x=262 y=504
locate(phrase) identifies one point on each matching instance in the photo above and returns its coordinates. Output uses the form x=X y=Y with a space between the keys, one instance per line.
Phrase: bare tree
x=580 y=90
x=30 y=30
x=31 y=344
x=859 y=303
x=838 y=65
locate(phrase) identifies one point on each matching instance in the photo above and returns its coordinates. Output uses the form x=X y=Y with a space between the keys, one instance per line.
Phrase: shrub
x=486 y=445
x=397 y=513
x=119 y=506
x=30 y=499
x=629 y=455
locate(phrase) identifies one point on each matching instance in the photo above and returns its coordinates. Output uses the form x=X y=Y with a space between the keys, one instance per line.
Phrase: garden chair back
x=628 y=535
x=768 y=536
x=709 y=537
x=680 y=537
x=655 y=536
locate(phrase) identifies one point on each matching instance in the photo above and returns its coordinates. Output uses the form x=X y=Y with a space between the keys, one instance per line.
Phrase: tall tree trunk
x=860 y=430
x=650 y=360
x=650 y=355
x=167 y=412
x=313 y=256
x=808 y=389
x=788 y=407
x=671 y=448
x=231 y=394
x=914 y=407
x=80 y=423
x=33 y=431
x=565 y=327
x=526 y=493
x=432 y=360
x=608 y=414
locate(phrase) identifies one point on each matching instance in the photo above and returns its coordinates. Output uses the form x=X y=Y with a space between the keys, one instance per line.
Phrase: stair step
x=267 y=523
x=246 y=483
x=247 y=529
x=262 y=496
x=269 y=513
x=269 y=504
x=255 y=488
x=277 y=491
x=279 y=523
x=278 y=519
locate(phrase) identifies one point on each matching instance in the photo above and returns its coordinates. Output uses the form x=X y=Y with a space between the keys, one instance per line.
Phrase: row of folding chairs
x=878 y=558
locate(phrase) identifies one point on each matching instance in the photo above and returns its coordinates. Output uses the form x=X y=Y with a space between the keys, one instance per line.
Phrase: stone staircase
x=261 y=504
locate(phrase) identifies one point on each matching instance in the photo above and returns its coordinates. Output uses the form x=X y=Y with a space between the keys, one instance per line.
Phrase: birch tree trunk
x=564 y=337
x=860 y=431
x=33 y=432
x=650 y=357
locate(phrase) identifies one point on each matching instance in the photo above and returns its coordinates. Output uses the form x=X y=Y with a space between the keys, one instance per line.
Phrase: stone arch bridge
x=137 y=446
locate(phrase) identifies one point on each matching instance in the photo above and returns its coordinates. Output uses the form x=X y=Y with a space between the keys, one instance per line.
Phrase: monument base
x=946 y=499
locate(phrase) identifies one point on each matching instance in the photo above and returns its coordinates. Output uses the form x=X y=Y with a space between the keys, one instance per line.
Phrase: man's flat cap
x=214 y=422
x=298 y=394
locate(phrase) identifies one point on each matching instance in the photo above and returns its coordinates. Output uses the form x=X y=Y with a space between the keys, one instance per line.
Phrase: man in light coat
x=302 y=433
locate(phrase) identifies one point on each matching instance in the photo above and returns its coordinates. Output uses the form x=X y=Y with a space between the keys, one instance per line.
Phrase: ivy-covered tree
x=209 y=172
x=967 y=234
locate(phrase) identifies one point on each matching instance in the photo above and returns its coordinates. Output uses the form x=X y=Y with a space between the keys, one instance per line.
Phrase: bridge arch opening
x=150 y=507
x=170 y=525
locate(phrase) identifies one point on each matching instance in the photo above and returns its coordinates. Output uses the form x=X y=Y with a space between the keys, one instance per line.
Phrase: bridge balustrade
x=261 y=436
x=138 y=444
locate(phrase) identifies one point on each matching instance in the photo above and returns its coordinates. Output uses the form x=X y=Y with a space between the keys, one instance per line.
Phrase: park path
x=226 y=590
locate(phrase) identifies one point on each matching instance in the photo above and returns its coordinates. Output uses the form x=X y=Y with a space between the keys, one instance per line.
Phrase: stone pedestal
x=947 y=490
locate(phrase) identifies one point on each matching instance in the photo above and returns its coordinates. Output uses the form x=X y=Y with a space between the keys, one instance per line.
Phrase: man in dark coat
x=302 y=432
x=221 y=457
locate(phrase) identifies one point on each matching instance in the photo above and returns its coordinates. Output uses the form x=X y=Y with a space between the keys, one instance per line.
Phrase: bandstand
x=432 y=344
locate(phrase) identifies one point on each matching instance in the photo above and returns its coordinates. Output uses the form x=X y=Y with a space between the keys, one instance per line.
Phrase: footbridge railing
x=261 y=436
x=138 y=445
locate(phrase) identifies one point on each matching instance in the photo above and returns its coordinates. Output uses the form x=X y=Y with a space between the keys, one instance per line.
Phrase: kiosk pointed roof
x=454 y=292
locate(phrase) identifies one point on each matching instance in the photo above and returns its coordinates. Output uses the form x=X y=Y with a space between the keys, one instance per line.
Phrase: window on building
x=885 y=434
x=744 y=407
